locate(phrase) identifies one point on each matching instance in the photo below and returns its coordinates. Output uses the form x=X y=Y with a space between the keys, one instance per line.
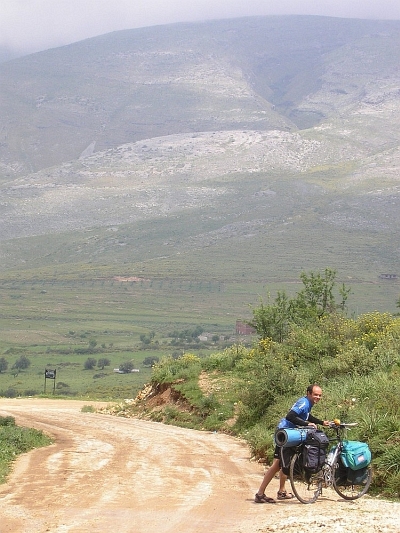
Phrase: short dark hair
x=310 y=388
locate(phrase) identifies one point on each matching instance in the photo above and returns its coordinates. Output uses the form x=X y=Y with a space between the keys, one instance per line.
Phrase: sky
x=28 y=26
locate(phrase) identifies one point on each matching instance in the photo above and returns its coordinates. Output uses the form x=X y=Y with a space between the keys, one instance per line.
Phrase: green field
x=59 y=323
x=54 y=324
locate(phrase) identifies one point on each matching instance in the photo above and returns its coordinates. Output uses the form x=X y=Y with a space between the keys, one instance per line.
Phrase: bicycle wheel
x=349 y=484
x=306 y=487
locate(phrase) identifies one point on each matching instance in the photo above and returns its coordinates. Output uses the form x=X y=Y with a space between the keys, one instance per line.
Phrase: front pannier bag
x=355 y=455
x=314 y=452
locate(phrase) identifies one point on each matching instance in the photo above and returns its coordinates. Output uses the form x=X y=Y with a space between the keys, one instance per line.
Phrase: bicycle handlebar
x=342 y=425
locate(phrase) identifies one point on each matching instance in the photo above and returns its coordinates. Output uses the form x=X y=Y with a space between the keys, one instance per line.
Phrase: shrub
x=268 y=375
x=261 y=441
x=14 y=441
x=90 y=363
x=30 y=392
x=356 y=360
x=225 y=360
x=7 y=421
x=127 y=367
x=10 y=393
x=168 y=369
x=88 y=409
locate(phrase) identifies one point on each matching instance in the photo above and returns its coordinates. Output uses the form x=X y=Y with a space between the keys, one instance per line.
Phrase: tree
x=3 y=364
x=144 y=339
x=21 y=363
x=127 y=367
x=102 y=362
x=92 y=344
x=90 y=363
x=149 y=361
x=316 y=299
x=272 y=321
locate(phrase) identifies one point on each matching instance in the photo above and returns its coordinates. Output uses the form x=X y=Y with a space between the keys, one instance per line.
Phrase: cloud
x=32 y=25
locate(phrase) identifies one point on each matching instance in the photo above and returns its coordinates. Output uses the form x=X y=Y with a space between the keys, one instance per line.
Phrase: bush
x=30 y=392
x=7 y=421
x=225 y=360
x=90 y=363
x=269 y=375
x=127 y=367
x=10 y=393
x=261 y=442
x=168 y=369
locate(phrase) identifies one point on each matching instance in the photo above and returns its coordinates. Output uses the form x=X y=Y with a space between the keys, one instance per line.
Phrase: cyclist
x=299 y=415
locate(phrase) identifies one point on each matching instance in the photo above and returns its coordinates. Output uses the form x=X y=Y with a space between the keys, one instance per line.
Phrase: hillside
x=234 y=153
x=254 y=73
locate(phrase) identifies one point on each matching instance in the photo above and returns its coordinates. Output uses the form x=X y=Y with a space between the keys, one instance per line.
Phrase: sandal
x=263 y=499
x=284 y=495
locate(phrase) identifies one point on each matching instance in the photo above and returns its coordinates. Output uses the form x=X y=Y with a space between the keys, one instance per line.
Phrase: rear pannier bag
x=355 y=455
x=314 y=451
x=357 y=477
x=286 y=457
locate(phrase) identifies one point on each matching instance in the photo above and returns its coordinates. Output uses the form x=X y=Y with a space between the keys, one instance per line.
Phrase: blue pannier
x=355 y=455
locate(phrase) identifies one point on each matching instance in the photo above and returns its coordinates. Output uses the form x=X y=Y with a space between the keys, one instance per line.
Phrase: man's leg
x=269 y=475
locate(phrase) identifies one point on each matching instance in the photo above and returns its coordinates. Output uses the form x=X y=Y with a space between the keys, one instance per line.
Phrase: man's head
x=314 y=393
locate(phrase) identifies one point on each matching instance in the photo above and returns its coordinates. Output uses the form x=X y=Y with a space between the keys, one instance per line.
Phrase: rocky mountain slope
x=272 y=73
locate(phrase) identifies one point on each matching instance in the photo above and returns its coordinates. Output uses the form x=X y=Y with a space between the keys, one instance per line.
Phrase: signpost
x=50 y=374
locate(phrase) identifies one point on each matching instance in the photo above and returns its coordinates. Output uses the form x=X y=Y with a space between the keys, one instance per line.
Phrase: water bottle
x=329 y=458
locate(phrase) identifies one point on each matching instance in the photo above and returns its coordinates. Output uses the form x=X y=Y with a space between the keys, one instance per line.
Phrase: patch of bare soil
x=106 y=473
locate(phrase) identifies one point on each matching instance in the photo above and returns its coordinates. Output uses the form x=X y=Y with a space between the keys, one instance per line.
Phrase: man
x=299 y=415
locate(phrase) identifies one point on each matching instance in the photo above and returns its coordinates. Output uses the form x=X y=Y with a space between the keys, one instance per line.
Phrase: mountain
x=257 y=73
x=240 y=151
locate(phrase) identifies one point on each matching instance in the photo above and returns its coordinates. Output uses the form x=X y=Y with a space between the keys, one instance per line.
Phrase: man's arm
x=293 y=417
x=315 y=420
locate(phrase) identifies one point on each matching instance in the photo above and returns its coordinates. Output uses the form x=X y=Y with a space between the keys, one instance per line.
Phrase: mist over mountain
x=274 y=139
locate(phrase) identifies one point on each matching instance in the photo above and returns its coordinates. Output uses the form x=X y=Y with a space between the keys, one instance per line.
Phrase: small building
x=388 y=276
x=242 y=328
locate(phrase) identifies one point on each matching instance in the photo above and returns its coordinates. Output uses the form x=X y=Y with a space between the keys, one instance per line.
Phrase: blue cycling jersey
x=302 y=407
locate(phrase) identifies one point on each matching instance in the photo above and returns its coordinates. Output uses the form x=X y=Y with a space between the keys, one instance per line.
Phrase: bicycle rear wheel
x=306 y=487
x=351 y=485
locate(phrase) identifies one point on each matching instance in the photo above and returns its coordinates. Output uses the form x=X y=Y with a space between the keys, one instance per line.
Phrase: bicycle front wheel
x=350 y=484
x=306 y=487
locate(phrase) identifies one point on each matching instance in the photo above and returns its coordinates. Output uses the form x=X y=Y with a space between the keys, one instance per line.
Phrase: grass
x=14 y=441
x=71 y=377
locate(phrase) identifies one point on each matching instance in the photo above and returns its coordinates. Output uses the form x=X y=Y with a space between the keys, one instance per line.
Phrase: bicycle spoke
x=306 y=486
x=351 y=485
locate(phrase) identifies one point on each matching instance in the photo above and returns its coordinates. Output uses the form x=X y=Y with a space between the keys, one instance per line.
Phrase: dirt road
x=108 y=474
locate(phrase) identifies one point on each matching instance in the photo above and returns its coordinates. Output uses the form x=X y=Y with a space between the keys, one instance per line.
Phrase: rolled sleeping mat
x=290 y=436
